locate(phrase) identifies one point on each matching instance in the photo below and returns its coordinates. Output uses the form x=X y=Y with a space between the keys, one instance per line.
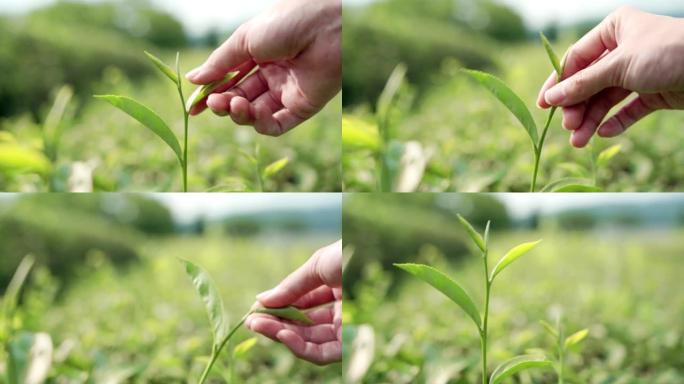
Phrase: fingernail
x=555 y=95
x=192 y=74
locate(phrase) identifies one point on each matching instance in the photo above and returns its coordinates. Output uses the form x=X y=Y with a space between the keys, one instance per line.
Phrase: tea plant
x=151 y=119
x=563 y=345
x=222 y=332
x=457 y=294
x=517 y=107
x=262 y=174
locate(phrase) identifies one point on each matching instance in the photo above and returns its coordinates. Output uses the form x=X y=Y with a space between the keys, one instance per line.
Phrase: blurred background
x=110 y=294
x=96 y=47
x=459 y=136
x=610 y=263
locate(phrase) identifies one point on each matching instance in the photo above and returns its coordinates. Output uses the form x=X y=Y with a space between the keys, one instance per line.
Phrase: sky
x=520 y=205
x=185 y=207
x=198 y=16
x=539 y=13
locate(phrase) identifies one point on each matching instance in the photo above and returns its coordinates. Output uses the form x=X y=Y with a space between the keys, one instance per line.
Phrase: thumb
x=586 y=83
x=323 y=268
x=224 y=59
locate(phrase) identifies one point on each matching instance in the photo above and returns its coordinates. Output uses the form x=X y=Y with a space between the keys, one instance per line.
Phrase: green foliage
x=625 y=295
x=453 y=290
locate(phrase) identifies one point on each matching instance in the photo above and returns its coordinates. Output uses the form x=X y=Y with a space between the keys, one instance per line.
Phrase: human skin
x=316 y=284
x=297 y=47
x=629 y=52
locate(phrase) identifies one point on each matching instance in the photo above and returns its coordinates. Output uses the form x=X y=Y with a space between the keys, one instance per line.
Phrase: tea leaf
x=576 y=338
x=359 y=134
x=564 y=182
x=486 y=232
x=549 y=328
x=578 y=188
x=213 y=303
x=15 y=158
x=390 y=91
x=146 y=117
x=446 y=285
x=552 y=56
x=241 y=349
x=165 y=69
x=11 y=294
x=275 y=167
x=512 y=256
x=508 y=98
x=289 y=313
x=477 y=238
x=607 y=154
x=517 y=364
x=205 y=90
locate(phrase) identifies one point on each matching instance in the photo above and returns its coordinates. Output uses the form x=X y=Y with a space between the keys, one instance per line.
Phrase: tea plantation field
x=625 y=288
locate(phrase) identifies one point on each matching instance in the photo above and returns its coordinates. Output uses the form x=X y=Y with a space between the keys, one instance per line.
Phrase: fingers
x=589 y=49
x=573 y=116
x=252 y=87
x=243 y=70
x=320 y=354
x=636 y=110
x=584 y=84
x=318 y=296
x=323 y=268
x=270 y=327
x=596 y=111
x=225 y=58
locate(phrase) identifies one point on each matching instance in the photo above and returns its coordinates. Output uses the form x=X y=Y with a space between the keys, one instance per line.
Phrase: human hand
x=630 y=51
x=297 y=47
x=317 y=282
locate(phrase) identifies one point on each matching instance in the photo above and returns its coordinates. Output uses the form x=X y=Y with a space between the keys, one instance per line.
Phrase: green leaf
x=477 y=238
x=564 y=182
x=205 y=90
x=517 y=364
x=11 y=295
x=146 y=117
x=241 y=349
x=508 y=98
x=576 y=338
x=19 y=359
x=359 y=134
x=607 y=154
x=549 y=328
x=578 y=188
x=512 y=256
x=165 y=69
x=446 y=285
x=552 y=56
x=289 y=313
x=486 y=232
x=16 y=158
x=275 y=167
x=211 y=297
x=390 y=91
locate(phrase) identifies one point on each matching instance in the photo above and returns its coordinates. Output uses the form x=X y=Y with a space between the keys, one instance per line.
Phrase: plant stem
x=217 y=350
x=538 y=149
x=483 y=335
x=186 y=116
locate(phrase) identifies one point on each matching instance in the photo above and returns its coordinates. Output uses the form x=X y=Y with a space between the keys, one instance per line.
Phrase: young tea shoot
x=151 y=119
x=263 y=174
x=518 y=108
x=563 y=345
x=458 y=295
x=221 y=330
